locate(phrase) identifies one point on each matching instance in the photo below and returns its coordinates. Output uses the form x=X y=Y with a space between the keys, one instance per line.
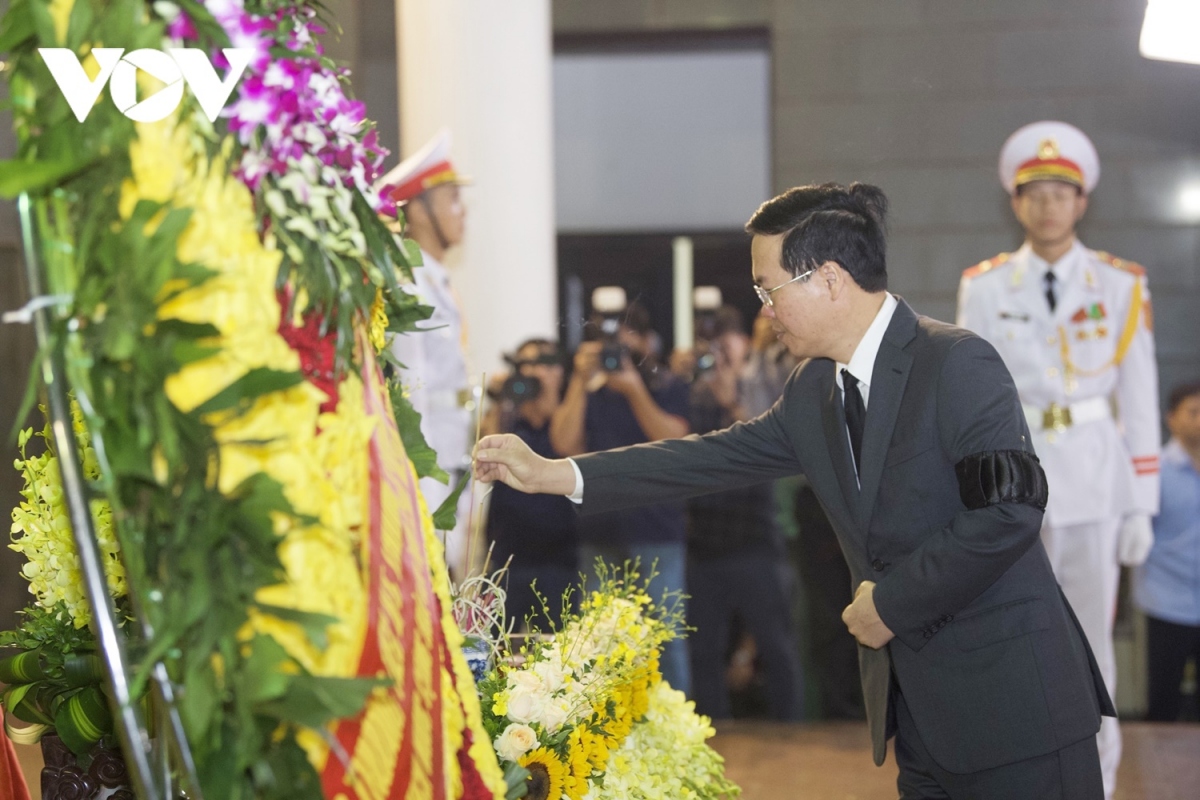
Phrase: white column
x=483 y=69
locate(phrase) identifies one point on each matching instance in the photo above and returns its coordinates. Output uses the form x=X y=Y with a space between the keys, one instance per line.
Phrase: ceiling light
x=1169 y=32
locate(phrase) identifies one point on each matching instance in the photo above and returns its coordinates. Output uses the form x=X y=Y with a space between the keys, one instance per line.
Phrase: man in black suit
x=912 y=436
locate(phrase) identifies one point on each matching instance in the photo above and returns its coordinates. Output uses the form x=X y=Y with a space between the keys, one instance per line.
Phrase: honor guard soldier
x=1073 y=326
x=426 y=186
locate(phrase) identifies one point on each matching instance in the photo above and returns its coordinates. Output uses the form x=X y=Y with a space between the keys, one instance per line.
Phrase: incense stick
x=473 y=524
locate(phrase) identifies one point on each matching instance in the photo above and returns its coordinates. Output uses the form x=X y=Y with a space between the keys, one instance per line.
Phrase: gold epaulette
x=984 y=266
x=1120 y=263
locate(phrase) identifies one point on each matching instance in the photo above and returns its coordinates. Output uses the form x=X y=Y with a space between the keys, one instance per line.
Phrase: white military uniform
x=1087 y=377
x=436 y=373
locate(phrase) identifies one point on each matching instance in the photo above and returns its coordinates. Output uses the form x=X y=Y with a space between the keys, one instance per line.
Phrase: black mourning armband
x=1001 y=476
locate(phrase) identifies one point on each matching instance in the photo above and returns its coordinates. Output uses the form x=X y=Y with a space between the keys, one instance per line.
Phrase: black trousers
x=1072 y=773
x=522 y=600
x=754 y=587
x=1169 y=648
x=830 y=651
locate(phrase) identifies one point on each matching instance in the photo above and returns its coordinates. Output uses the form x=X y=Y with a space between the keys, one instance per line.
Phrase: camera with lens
x=518 y=389
x=609 y=302
x=706 y=303
x=521 y=388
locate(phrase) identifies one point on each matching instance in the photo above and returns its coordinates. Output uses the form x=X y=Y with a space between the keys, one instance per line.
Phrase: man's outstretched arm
x=506 y=458
x=673 y=469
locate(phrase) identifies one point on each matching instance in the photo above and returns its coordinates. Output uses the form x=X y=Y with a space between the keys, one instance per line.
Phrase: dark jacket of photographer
x=610 y=423
x=534 y=529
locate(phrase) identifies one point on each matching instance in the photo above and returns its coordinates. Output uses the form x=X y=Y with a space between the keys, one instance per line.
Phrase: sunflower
x=546 y=774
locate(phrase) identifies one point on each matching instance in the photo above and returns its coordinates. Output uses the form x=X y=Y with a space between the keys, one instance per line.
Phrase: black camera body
x=612 y=352
x=612 y=355
x=520 y=389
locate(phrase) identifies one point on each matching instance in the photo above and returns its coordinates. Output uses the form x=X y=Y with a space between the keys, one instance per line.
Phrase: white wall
x=482 y=69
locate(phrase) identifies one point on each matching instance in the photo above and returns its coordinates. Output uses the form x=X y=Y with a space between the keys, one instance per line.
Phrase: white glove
x=1135 y=539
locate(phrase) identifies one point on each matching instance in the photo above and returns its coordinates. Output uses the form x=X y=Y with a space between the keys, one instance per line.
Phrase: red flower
x=317 y=351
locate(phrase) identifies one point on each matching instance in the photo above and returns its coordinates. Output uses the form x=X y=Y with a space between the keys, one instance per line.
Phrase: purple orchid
x=290 y=106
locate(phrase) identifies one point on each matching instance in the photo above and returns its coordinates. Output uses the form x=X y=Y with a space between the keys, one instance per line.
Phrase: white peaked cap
x=428 y=167
x=1049 y=150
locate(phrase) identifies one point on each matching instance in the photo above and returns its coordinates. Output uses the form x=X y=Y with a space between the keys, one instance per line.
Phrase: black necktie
x=1050 y=298
x=856 y=415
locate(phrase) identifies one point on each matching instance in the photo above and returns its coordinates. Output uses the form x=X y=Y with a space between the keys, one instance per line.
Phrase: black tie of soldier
x=1050 y=297
x=856 y=415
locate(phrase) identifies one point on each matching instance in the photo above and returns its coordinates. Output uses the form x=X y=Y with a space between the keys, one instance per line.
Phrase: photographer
x=538 y=532
x=738 y=572
x=631 y=399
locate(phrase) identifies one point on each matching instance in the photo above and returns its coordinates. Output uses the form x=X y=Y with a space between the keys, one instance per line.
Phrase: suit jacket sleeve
x=977 y=412
x=674 y=469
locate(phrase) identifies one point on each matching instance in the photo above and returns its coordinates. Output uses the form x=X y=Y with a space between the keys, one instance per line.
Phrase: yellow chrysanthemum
x=546 y=774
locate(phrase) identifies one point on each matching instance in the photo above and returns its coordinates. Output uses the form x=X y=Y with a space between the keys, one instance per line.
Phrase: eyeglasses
x=765 y=294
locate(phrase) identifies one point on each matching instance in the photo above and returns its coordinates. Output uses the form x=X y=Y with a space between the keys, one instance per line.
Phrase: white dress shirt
x=862 y=362
x=861 y=366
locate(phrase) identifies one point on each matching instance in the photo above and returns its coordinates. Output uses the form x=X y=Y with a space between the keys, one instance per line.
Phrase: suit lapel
x=833 y=417
x=888 y=379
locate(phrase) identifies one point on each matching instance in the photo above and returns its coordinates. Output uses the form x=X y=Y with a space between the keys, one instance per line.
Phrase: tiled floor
x=832 y=761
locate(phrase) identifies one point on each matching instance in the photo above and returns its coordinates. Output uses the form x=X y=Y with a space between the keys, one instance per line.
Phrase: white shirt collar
x=1063 y=269
x=862 y=363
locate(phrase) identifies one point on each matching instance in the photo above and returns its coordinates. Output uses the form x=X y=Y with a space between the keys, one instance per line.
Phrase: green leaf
x=83 y=720
x=286 y=774
x=197 y=700
x=32 y=176
x=258 y=497
x=312 y=700
x=17 y=26
x=187 y=330
x=262 y=678
x=408 y=420
x=444 y=517
x=32 y=383
x=15 y=695
x=516 y=781
x=22 y=668
x=412 y=253
x=246 y=389
x=404 y=314
x=30 y=707
x=85 y=670
x=314 y=624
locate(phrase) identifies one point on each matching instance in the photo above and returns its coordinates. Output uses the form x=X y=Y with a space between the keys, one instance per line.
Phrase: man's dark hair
x=539 y=342
x=1180 y=393
x=728 y=319
x=829 y=222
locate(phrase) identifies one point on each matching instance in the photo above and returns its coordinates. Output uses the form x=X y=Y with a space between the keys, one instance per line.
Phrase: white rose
x=554 y=714
x=525 y=705
x=516 y=741
x=551 y=674
x=524 y=680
